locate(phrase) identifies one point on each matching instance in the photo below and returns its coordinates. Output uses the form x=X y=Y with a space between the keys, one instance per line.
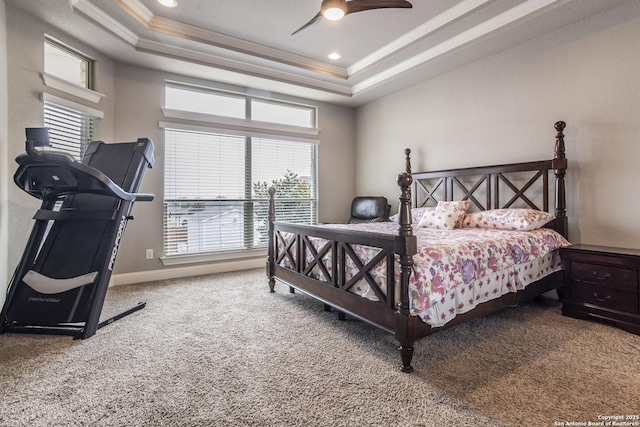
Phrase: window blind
x=216 y=197
x=70 y=130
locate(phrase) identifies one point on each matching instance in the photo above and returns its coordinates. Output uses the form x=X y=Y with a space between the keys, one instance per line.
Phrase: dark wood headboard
x=514 y=185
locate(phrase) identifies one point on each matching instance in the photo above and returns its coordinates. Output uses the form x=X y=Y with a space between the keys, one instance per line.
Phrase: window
x=67 y=64
x=71 y=126
x=205 y=102
x=70 y=130
x=284 y=114
x=216 y=180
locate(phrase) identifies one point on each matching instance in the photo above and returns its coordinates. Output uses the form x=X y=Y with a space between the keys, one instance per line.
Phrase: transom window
x=67 y=64
x=217 y=173
x=198 y=100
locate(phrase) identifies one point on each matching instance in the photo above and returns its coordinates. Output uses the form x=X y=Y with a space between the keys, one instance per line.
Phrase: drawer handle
x=605 y=277
x=608 y=297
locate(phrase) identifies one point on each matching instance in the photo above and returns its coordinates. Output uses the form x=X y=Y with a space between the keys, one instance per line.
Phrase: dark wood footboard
x=313 y=259
x=321 y=270
x=322 y=273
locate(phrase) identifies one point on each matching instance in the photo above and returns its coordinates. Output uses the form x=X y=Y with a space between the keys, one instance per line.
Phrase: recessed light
x=168 y=3
x=334 y=56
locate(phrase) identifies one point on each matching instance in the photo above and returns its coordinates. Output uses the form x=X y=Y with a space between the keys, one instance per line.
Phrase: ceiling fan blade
x=362 y=5
x=359 y=6
x=309 y=24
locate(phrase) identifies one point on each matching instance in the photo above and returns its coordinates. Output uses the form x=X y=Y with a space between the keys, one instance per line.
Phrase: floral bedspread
x=455 y=270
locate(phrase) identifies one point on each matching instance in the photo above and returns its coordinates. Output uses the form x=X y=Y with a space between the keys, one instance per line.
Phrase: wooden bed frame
x=292 y=256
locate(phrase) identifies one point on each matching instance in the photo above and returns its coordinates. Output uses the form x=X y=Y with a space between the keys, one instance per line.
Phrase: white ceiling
x=249 y=42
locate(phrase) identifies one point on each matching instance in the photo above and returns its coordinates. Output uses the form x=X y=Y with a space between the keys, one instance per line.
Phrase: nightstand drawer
x=605 y=275
x=606 y=297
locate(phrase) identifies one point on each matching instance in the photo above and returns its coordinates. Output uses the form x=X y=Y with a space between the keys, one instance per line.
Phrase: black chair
x=369 y=209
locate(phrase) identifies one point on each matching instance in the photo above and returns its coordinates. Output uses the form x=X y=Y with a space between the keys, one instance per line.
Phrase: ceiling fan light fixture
x=333 y=10
x=333 y=14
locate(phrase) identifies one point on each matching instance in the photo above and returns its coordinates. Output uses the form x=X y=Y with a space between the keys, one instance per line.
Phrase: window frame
x=249 y=129
x=86 y=59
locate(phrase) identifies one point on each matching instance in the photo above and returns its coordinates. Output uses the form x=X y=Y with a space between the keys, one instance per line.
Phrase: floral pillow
x=416 y=214
x=508 y=219
x=446 y=216
x=459 y=207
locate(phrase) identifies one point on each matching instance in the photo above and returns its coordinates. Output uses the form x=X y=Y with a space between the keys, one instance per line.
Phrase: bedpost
x=271 y=242
x=560 y=166
x=407 y=161
x=405 y=247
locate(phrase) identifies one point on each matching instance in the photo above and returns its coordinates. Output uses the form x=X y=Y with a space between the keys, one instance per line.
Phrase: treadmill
x=61 y=281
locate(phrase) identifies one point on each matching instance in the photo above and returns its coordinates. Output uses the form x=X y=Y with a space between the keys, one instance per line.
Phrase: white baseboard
x=174 y=273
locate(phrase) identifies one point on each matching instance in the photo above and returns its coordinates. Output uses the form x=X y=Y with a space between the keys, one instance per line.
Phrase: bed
x=432 y=267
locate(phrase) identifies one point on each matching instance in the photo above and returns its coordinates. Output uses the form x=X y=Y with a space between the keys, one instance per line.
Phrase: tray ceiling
x=249 y=42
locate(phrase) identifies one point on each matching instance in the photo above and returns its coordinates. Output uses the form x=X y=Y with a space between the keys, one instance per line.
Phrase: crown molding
x=98 y=15
x=441 y=21
x=164 y=49
x=138 y=10
x=176 y=52
x=518 y=14
x=524 y=11
x=185 y=31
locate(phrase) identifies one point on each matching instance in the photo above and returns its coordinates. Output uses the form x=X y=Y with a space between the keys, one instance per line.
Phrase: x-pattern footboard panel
x=318 y=259
x=283 y=250
x=338 y=258
x=364 y=270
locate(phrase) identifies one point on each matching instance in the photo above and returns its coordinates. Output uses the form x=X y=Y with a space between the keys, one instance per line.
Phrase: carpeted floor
x=221 y=350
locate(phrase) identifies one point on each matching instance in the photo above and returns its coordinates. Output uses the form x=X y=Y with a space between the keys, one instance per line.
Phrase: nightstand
x=602 y=282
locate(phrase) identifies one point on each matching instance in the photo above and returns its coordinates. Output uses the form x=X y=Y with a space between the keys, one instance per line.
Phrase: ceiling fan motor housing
x=333 y=9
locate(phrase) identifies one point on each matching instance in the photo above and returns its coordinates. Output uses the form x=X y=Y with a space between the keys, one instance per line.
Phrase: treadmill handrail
x=144 y=197
x=42 y=159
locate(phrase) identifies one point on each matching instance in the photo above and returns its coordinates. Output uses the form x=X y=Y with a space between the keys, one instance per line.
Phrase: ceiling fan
x=336 y=9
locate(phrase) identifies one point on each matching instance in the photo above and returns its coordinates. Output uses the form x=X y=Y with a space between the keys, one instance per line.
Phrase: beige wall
x=502 y=109
x=25 y=59
x=132 y=109
x=4 y=164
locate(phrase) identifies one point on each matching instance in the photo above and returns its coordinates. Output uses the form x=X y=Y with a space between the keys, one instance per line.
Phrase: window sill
x=244 y=127
x=217 y=257
x=72 y=89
